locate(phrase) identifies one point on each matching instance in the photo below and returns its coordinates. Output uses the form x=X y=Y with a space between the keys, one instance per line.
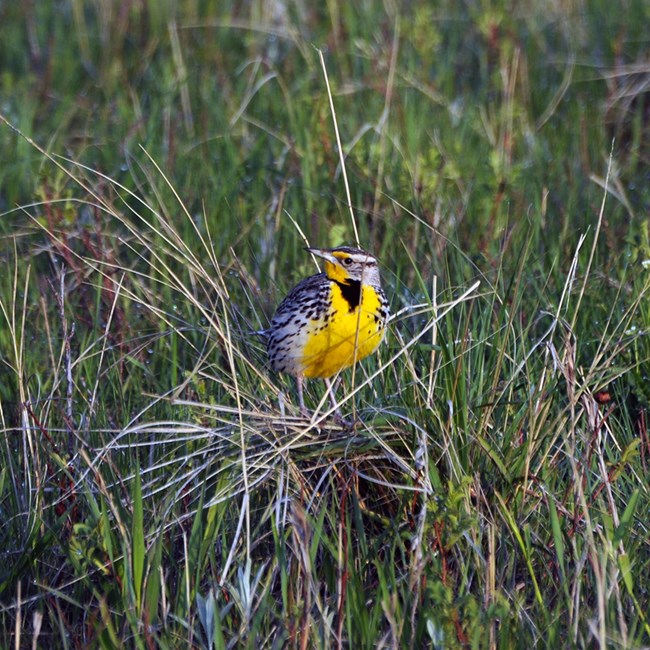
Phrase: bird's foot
x=346 y=423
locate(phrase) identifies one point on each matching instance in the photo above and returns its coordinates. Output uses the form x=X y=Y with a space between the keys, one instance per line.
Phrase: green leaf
x=558 y=541
x=510 y=520
x=626 y=571
x=627 y=517
x=152 y=593
x=494 y=457
x=137 y=541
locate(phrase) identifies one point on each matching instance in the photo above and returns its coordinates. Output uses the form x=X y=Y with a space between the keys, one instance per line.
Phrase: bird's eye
x=347 y=261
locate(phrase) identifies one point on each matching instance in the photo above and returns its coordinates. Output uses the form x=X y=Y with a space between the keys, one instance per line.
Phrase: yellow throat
x=352 y=324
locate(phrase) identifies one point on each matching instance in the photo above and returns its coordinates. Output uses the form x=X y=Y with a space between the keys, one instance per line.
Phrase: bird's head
x=346 y=265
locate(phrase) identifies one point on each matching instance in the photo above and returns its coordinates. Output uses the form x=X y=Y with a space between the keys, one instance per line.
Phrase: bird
x=330 y=320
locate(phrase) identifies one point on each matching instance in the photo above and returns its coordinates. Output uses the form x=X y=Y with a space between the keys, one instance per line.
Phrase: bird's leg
x=330 y=392
x=338 y=417
x=301 y=399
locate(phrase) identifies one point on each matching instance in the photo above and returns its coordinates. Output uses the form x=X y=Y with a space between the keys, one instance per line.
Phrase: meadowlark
x=330 y=320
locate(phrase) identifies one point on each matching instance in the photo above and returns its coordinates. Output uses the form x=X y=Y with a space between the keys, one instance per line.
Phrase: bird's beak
x=322 y=252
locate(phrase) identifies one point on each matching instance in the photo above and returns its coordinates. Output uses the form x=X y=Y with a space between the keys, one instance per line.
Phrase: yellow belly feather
x=332 y=348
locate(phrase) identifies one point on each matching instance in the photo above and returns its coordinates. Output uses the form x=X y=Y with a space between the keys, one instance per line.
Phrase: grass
x=164 y=165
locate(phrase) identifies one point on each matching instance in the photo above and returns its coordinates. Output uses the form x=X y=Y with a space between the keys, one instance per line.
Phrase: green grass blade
x=137 y=541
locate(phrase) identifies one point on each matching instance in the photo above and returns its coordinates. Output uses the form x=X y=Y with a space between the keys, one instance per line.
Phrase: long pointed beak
x=322 y=252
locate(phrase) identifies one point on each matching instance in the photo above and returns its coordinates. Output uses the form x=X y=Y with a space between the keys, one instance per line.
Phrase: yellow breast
x=344 y=336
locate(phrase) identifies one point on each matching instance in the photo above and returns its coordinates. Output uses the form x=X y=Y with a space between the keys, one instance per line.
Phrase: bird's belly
x=330 y=345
